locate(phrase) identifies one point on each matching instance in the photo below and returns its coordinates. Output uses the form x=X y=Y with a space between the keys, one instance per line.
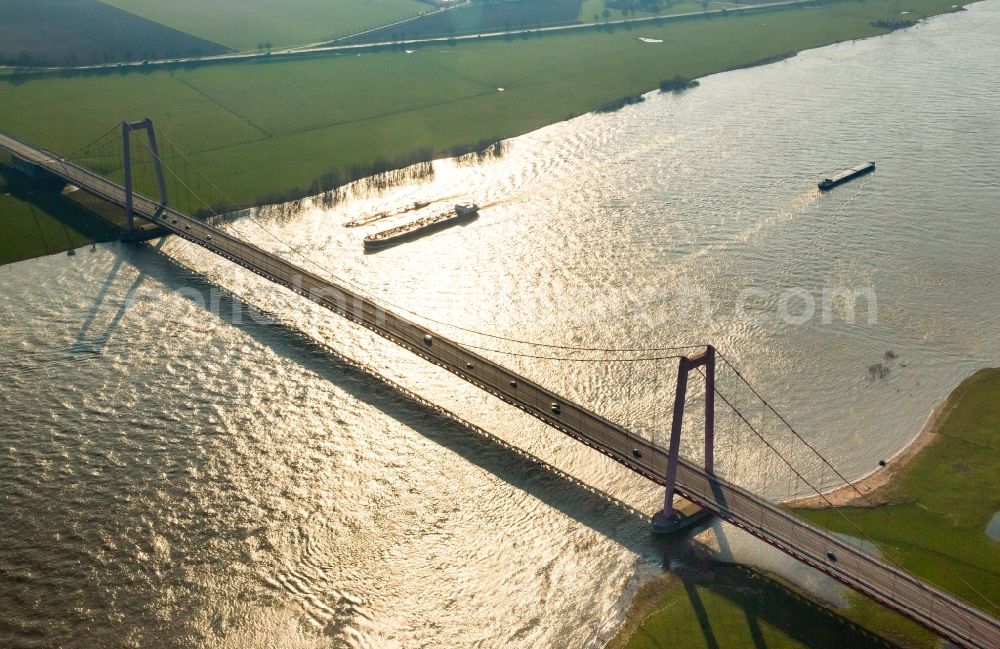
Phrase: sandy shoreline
x=872 y=486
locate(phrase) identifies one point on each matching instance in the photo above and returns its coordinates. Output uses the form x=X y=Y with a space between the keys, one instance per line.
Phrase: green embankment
x=732 y=607
x=934 y=524
x=37 y=220
x=245 y=24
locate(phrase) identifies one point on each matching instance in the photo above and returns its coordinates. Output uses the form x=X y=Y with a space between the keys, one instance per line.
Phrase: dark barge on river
x=392 y=236
x=849 y=174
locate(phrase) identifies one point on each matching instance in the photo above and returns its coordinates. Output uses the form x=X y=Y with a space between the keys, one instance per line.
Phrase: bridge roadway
x=897 y=589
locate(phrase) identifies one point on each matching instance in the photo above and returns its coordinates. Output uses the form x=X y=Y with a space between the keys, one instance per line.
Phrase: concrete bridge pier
x=674 y=516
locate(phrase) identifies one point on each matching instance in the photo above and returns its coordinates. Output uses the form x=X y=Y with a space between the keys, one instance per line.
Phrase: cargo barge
x=371 y=218
x=461 y=212
x=849 y=174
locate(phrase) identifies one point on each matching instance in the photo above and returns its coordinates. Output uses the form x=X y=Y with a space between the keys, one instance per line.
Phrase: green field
x=264 y=128
x=934 y=525
x=245 y=24
x=37 y=220
x=733 y=607
x=481 y=18
x=87 y=32
x=593 y=10
x=490 y=17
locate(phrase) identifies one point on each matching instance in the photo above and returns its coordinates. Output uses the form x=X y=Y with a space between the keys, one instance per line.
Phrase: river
x=178 y=470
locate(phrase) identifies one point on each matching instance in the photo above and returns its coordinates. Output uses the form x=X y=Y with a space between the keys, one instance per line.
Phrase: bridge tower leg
x=147 y=126
x=669 y=519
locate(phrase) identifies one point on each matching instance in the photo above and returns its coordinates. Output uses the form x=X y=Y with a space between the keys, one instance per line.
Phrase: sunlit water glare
x=176 y=475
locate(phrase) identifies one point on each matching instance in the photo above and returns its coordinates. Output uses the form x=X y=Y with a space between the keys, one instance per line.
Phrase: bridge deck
x=937 y=610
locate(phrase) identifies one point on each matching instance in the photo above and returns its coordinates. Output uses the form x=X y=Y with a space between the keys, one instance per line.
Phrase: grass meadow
x=37 y=220
x=244 y=24
x=87 y=32
x=482 y=18
x=733 y=607
x=593 y=10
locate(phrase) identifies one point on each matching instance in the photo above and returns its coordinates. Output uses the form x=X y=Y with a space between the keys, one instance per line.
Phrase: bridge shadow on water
x=702 y=572
x=86 y=342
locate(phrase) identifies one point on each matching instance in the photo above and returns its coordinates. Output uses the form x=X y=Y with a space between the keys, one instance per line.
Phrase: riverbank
x=870 y=490
x=934 y=500
x=267 y=131
x=934 y=511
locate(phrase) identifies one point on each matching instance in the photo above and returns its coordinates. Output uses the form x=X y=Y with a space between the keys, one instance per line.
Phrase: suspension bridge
x=846 y=560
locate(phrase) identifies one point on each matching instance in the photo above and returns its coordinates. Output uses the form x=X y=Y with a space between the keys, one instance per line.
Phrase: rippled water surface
x=177 y=470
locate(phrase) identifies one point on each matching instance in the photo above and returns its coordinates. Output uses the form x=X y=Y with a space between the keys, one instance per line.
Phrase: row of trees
x=644 y=6
x=26 y=59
